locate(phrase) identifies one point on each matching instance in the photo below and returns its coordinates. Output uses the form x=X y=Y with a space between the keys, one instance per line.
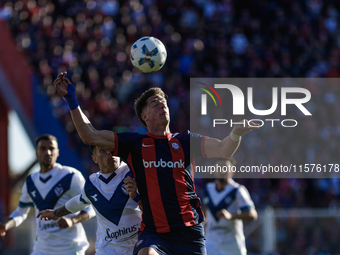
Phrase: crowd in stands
x=91 y=40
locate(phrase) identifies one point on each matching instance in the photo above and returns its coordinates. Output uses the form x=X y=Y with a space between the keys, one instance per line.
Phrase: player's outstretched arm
x=248 y=215
x=4 y=227
x=103 y=138
x=73 y=205
x=131 y=188
x=64 y=222
x=49 y=214
x=215 y=148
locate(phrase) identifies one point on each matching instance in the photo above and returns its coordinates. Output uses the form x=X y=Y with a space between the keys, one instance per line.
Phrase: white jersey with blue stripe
x=50 y=191
x=118 y=216
x=226 y=236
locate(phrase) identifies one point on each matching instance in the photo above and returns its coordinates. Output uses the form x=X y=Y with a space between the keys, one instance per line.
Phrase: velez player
x=51 y=187
x=227 y=204
x=172 y=212
x=118 y=216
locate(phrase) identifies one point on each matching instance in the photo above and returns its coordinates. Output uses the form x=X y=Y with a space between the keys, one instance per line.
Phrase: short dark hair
x=141 y=102
x=92 y=147
x=45 y=137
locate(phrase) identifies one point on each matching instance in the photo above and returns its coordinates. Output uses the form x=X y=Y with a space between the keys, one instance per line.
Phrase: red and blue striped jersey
x=164 y=174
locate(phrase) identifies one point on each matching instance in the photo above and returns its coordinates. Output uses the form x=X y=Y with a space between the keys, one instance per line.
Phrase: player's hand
x=61 y=84
x=64 y=222
x=47 y=214
x=131 y=186
x=2 y=230
x=223 y=213
x=242 y=129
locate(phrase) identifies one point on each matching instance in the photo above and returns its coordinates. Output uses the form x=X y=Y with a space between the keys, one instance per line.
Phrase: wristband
x=71 y=97
x=234 y=137
x=137 y=198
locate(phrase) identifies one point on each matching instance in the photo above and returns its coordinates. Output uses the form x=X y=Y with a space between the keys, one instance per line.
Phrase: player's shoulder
x=241 y=189
x=130 y=135
x=233 y=183
x=33 y=175
x=124 y=170
x=185 y=135
x=93 y=177
x=210 y=186
x=69 y=170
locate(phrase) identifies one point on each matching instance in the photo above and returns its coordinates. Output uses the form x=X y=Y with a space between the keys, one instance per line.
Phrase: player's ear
x=144 y=116
x=94 y=159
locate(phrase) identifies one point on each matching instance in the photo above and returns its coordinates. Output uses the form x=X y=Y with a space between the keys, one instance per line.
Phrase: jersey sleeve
x=244 y=201
x=75 y=204
x=77 y=187
x=197 y=144
x=83 y=198
x=77 y=184
x=123 y=144
x=24 y=206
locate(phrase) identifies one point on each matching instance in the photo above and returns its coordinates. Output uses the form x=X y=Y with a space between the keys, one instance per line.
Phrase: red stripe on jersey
x=142 y=225
x=115 y=152
x=152 y=184
x=178 y=173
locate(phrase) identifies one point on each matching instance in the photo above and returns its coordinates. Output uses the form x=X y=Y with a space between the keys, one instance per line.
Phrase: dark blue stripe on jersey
x=53 y=195
x=111 y=209
x=106 y=181
x=21 y=204
x=224 y=204
x=46 y=179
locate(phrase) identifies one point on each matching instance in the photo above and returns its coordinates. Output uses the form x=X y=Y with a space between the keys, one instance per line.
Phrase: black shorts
x=189 y=240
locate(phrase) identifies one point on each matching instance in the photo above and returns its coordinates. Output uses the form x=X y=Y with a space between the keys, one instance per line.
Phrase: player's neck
x=159 y=131
x=45 y=169
x=107 y=171
x=221 y=185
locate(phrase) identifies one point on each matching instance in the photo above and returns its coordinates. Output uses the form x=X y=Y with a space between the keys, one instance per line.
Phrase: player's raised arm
x=89 y=135
x=215 y=148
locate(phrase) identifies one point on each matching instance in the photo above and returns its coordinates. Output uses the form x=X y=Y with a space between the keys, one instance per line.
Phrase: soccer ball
x=148 y=54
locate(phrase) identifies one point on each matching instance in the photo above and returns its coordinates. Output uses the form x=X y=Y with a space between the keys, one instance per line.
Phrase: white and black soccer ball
x=148 y=54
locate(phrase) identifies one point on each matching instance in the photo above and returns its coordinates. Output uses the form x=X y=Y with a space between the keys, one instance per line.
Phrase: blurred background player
x=118 y=217
x=159 y=160
x=227 y=204
x=51 y=187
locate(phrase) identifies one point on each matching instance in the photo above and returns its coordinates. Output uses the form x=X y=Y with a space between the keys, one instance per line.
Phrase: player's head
x=46 y=150
x=152 y=107
x=226 y=175
x=106 y=162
